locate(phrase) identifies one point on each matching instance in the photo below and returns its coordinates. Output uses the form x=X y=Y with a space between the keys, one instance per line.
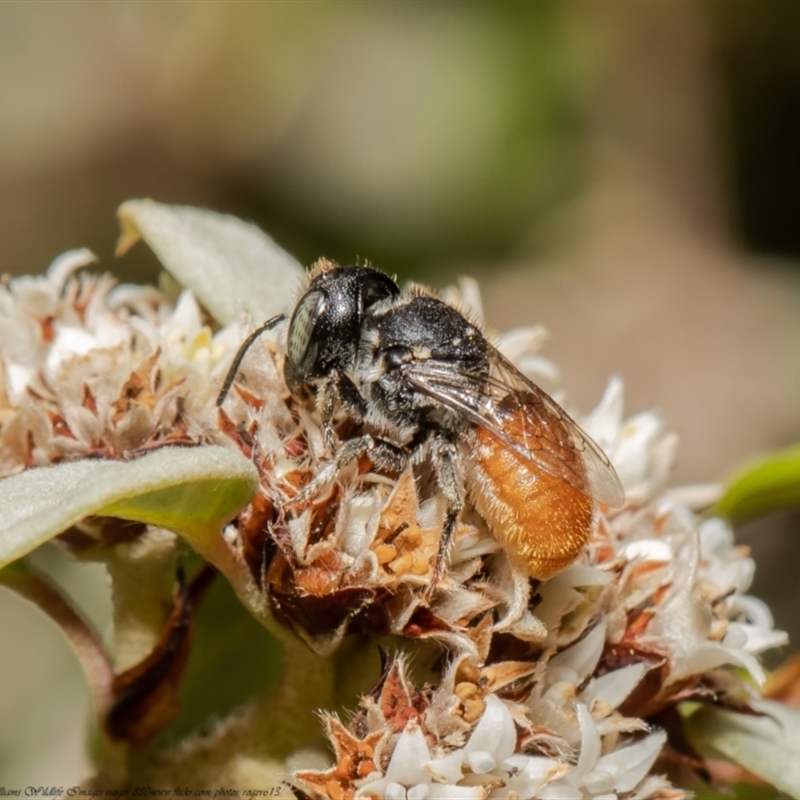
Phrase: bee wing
x=543 y=434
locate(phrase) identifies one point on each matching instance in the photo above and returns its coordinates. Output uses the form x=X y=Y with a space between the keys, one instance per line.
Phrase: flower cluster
x=97 y=370
x=555 y=690
x=652 y=615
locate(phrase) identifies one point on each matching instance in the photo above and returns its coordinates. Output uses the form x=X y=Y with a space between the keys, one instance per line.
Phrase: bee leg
x=447 y=466
x=383 y=454
x=338 y=392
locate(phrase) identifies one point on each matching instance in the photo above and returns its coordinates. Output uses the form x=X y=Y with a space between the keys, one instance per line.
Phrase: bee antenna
x=242 y=351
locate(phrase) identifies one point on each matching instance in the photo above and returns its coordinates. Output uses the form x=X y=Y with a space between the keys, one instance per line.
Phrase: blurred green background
x=624 y=173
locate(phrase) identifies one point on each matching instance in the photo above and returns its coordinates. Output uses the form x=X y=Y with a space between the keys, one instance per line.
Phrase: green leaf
x=193 y=491
x=231 y=266
x=767 y=745
x=766 y=485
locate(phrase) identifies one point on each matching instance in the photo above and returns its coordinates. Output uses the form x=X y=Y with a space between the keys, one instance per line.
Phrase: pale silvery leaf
x=193 y=491
x=232 y=267
x=767 y=745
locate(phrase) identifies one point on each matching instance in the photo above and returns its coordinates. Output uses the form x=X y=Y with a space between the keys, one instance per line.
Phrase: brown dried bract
x=146 y=695
x=354 y=759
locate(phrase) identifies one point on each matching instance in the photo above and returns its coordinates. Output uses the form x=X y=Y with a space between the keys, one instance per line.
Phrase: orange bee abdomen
x=541 y=521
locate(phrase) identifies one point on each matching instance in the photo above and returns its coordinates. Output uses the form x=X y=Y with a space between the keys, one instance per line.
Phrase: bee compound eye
x=303 y=326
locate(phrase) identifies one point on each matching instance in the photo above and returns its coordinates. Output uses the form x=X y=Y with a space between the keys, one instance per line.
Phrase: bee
x=419 y=380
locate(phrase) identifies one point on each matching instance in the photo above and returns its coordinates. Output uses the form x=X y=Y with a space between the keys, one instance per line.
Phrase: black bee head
x=326 y=325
